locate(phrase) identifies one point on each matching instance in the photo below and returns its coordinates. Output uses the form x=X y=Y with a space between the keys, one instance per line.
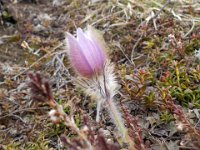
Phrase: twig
x=122 y=50
x=192 y=28
x=164 y=6
x=133 y=49
x=20 y=110
x=40 y=59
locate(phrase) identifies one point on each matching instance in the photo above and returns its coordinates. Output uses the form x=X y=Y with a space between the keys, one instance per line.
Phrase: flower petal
x=77 y=58
x=98 y=41
x=91 y=51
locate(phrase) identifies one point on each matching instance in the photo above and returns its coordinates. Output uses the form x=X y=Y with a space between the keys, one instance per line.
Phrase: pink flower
x=86 y=53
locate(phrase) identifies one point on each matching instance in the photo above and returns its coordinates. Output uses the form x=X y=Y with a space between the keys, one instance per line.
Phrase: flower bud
x=86 y=53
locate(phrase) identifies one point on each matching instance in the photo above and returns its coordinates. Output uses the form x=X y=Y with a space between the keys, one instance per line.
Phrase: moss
x=194 y=44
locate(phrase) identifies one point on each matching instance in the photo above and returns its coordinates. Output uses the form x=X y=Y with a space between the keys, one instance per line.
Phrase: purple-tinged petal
x=91 y=51
x=87 y=52
x=87 y=48
x=77 y=58
x=98 y=42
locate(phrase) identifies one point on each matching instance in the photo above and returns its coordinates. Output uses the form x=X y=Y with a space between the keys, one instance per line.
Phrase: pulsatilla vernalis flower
x=86 y=52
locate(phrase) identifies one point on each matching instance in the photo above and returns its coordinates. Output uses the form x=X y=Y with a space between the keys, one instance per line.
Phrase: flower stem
x=98 y=111
x=116 y=116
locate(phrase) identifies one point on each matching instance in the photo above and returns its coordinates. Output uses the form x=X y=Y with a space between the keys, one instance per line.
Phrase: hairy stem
x=116 y=116
x=98 y=110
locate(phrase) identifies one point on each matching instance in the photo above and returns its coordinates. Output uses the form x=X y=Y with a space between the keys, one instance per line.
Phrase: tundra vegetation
x=99 y=74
